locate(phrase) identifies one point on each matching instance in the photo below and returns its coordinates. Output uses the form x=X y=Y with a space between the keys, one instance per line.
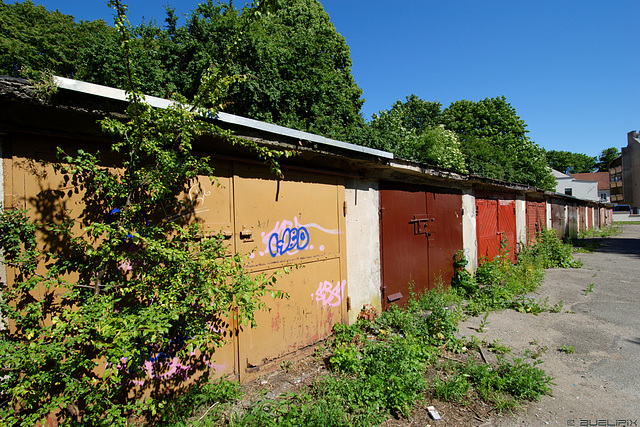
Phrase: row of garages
x=366 y=228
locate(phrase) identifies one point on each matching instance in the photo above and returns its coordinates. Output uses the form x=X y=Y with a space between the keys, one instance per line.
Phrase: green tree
x=33 y=40
x=119 y=292
x=606 y=157
x=491 y=131
x=568 y=162
x=411 y=131
x=298 y=66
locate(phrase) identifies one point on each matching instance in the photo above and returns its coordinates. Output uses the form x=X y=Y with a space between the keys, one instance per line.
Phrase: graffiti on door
x=290 y=237
x=329 y=294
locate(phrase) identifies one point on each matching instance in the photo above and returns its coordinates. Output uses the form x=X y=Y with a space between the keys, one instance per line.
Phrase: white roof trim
x=121 y=95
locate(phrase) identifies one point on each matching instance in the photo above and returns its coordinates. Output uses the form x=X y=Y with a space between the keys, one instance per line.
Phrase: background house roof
x=601 y=177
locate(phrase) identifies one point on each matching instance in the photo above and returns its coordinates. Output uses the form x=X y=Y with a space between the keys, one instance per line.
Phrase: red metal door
x=507 y=226
x=403 y=218
x=536 y=219
x=495 y=221
x=445 y=212
x=487 y=228
x=421 y=230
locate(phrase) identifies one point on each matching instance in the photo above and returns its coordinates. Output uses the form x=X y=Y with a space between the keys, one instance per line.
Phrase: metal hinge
x=344 y=207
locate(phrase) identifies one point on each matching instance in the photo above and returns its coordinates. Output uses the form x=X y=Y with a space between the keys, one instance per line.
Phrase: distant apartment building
x=615 y=181
x=624 y=175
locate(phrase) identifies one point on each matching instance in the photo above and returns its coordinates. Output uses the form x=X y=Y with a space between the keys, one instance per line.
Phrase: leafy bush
x=549 y=252
x=452 y=390
x=346 y=359
x=120 y=294
x=521 y=380
x=462 y=278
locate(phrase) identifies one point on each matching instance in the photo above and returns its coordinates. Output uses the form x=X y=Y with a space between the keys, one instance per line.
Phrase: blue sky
x=569 y=68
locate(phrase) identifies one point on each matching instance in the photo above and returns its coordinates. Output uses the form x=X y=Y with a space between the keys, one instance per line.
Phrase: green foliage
x=570 y=163
x=210 y=395
x=604 y=232
x=569 y=349
x=589 y=289
x=549 y=252
x=298 y=67
x=606 y=157
x=347 y=334
x=520 y=380
x=346 y=359
x=462 y=278
x=452 y=390
x=411 y=130
x=34 y=40
x=403 y=322
x=119 y=299
x=495 y=143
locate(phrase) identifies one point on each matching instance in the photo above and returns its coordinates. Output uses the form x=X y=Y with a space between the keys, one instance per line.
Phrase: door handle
x=246 y=234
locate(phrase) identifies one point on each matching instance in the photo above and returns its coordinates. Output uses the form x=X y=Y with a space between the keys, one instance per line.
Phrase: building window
x=568 y=191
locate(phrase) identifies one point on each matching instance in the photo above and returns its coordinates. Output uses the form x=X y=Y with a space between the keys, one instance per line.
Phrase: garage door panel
x=288 y=220
x=317 y=300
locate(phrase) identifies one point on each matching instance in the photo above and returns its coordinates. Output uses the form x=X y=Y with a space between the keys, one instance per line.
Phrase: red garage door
x=421 y=230
x=536 y=218
x=495 y=222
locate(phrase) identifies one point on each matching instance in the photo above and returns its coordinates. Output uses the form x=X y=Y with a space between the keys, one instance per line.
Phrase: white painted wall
x=363 y=245
x=549 y=218
x=469 y=242
x=521 y=222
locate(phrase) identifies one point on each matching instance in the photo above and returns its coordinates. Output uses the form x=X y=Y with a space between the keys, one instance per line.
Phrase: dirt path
x=599 y=383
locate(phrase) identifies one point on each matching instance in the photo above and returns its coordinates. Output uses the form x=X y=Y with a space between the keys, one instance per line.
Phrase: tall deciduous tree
x=568 y=162
x=33 y=40
x=411 y=130
x=606 y=157
x=298 y=67
x=493 y=134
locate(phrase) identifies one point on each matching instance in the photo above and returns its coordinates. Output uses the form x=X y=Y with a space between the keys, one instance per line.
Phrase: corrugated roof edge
x=121 y=95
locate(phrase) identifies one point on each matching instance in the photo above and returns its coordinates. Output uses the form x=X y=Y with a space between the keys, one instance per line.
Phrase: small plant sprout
x=589 y=289
x=569 y=349
x=557 y=307
x=483 y=323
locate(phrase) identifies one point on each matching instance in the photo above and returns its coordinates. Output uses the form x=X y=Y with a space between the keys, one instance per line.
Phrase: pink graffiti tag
x=330 y=295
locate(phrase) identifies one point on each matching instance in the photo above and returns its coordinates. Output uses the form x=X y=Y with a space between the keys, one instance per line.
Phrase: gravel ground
x=598 y=384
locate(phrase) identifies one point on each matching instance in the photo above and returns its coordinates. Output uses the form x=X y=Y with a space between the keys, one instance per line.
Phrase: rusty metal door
x=572 y=223
x=298 y=221
x=590 y=216
x=404 y=235
x=420 y=231
x=444 y=209
x=495 y=221
x=558 y=219
x=582 y=218
x=536 y=219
